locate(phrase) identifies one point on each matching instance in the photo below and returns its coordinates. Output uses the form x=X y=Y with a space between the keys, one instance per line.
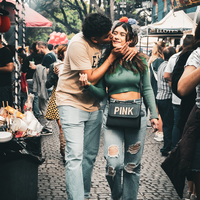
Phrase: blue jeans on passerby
x=123 y=148
x=176 y=132
x=167 y=115
x=36 y=110
x=82 y=134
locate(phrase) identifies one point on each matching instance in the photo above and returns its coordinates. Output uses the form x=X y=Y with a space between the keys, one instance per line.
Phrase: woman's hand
x=57 y=70
x=154 y=124
x=83 y=79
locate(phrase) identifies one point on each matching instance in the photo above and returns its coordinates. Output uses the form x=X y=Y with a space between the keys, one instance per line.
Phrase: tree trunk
x=112 y=16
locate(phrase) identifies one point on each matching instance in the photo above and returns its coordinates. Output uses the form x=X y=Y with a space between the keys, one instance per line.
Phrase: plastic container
x=5 y=136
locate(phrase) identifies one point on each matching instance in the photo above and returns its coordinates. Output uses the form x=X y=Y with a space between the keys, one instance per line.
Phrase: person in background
x=186 y=85
x=6 y=68
x=162 y=44
x=176 y=101
x=123 y=146
x=37 y=59
x=52 y=79
x=187 y=102
x=164 y=102
x=80 y=113
x=153 y=63
x=47 y=60
x=49 y=57
x=51 y=49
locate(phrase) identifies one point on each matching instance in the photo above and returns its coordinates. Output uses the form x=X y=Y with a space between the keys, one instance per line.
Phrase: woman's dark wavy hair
x=137 y=60
x=61 y=50
x=96 y=25
x=195 y=42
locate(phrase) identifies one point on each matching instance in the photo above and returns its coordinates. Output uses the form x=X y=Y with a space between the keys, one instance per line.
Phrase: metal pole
x=16 y=87
x=23 y=27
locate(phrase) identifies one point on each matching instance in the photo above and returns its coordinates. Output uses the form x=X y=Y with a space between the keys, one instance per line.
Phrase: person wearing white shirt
x=175 y=100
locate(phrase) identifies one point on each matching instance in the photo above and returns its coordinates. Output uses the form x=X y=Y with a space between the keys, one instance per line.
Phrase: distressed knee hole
x=130 y=167
x=133 y=149
x=111 y=171
x=113 y=151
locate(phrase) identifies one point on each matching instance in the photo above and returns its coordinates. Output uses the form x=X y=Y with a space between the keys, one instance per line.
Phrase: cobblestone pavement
x=154 y=184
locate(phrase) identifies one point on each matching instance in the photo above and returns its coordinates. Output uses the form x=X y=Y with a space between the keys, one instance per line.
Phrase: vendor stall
x=20 y=152
x=173 y=25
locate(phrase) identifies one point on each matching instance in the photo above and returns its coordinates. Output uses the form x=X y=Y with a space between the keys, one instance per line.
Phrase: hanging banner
x=166 y=31
x=184 y=4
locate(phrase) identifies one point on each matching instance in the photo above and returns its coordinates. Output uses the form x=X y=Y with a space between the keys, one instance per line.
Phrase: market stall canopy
x=32 y=18
x=173 y=24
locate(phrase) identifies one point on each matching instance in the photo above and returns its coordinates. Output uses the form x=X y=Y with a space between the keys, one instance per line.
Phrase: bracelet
x=109 y=62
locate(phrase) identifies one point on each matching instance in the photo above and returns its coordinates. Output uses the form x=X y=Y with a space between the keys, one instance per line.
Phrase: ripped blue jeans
x=123 y=148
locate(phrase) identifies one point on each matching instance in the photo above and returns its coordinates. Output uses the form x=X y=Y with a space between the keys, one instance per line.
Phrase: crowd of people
x=101 y=79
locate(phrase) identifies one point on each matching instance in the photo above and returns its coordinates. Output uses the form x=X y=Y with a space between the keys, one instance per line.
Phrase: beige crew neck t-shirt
x=81 y=55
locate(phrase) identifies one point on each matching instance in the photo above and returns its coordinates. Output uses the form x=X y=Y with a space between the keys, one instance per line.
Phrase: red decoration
x=58 y=38
x=124 y=19
x=5 y=24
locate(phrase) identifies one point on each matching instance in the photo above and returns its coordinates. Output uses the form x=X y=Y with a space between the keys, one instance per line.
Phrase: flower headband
x=131 y=21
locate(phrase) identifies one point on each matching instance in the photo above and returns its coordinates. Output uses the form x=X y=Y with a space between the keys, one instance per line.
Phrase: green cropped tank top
x=124 y=80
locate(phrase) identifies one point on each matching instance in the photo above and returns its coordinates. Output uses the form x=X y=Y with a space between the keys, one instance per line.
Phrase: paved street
x=154 y=184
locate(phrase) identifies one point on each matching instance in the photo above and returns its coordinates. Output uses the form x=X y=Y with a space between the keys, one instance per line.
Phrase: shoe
x=187 y=196
x=158 y=136
x=46 y=133
x=193 y=197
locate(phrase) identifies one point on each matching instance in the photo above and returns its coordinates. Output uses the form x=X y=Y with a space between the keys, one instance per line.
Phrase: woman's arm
x=148 y=93
x=98 y=91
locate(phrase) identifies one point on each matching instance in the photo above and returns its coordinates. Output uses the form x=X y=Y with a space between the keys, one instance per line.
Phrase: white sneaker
x=158 y=136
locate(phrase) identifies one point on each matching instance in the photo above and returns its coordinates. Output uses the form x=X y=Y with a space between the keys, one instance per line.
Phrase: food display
x=18 y=124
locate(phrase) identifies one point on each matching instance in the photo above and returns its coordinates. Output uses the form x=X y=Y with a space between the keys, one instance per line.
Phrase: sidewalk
x=154 y=184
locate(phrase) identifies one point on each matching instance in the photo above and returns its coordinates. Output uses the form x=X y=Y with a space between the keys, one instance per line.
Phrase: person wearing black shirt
x=47 y=60
x=37 y=58
x=6 y=68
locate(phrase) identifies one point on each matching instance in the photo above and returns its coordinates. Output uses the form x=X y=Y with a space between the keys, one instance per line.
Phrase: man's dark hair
x=50 y=47
x=56 y=46
x=168 y=52
x=187 y=40
x=41 y=43
x=96 y=25
x=0 y=36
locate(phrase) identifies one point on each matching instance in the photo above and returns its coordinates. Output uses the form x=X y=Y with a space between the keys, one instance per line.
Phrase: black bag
x=124 y=115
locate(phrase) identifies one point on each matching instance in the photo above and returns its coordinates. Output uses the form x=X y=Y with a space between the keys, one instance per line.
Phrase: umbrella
x=32 y=18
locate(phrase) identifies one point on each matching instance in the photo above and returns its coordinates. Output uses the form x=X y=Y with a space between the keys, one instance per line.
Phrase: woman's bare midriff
x=126 y=96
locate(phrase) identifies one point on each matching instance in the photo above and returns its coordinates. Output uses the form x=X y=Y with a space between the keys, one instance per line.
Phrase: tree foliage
x=67 y=15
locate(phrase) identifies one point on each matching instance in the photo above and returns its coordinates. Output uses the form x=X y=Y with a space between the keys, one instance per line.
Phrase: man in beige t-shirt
x=79 y=112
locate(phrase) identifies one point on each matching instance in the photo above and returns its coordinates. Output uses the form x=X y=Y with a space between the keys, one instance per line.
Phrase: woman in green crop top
x=123 y=147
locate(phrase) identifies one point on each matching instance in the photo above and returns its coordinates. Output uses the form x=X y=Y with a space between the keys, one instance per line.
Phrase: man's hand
x=32 y=66
x=130 y=53
x=120 y=51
